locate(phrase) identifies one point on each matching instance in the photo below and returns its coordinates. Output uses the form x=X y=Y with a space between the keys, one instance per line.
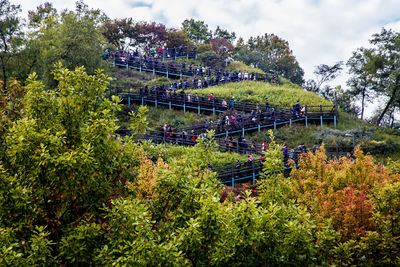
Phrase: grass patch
x=257 y=92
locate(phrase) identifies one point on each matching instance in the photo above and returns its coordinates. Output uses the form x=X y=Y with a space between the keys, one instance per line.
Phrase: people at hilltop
x=267 y=108
x=232 y=103
x=297 y=108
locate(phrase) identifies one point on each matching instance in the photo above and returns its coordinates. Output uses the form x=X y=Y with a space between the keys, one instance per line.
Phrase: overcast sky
x=318 y=31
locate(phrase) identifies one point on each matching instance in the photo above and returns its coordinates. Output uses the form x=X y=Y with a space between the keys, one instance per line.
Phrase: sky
x=318 y=31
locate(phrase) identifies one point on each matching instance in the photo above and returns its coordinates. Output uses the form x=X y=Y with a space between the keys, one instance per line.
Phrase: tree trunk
x=3 y=62
x=386 y=108
x=392 y=117
x=362 y=104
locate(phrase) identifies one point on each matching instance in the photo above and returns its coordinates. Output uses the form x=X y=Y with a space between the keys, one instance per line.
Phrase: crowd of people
x=151 y=60
x=159 y=53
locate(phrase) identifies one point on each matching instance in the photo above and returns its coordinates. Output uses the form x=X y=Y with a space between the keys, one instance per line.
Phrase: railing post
x=226 y=133
x=274 y=124
x=184 y=103
x=334 y=121
x=290 y=123
x=129 y=100
x=336 y=112
x=321 y=121
x=142 y=101
x=254 y=173
x=198 y=107
x=233 y=176
x=155 y=103
x=243 y=132
x=187 y=52
x=306 y=122
x=259 y=128
x=170 y=104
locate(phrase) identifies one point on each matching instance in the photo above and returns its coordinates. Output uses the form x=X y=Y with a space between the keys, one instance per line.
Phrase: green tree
x=62 y=163
x=358 y=82
x=324 y=73
x=270 y=53
x=10 y=37
x=381 y=63
x=197 y=30
x=73 y=38
x=177 y=38
x=225 y=34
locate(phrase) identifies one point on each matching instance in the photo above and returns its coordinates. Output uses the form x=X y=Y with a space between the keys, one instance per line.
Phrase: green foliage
x=171 y=153
x=79 y=244
x=377 y=68
x=256 y=92
x=11 y=39
x=270 y=53
x=393 y=165
x=210 y=58
x=61 y=164
x=36 y=251
x=197 y=30
x=160 y=81
x=139 y=122
x=240 y=66
x=274 y=188
x=72 y=38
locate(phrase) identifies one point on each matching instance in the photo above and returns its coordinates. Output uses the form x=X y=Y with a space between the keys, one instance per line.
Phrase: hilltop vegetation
x=284 y=95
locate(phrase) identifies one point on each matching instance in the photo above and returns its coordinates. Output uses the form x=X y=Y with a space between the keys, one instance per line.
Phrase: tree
x=121 y=33
x=222 y=47
x=73 y=38
x=177 y=38
x=10 y=36
x=197 y=30
x=152 y=35
x=324 y=73
x=43 y=11
x=225 y=34
x=358 y=82
x=382 y=64
x=62 y=164
x=270 y=53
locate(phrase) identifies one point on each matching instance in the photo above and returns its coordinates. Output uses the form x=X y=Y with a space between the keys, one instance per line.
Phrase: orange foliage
x=350 y=211
x=340 y=189
x=147 y=177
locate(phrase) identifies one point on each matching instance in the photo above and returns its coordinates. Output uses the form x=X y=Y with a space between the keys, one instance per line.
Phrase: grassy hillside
x=157 y=117
x=284 y=95
x=378 y=141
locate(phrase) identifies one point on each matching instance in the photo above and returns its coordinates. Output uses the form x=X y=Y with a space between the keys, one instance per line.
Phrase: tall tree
x=10 y=36
x=177 y=38
x=358 y=82
x=323 y=74
x=271 y=53
x=72 y=37
x=197 y=30
x=222 y=33
x=222 y=47
x=152 y=35
x=121 y=33
x=382 y=64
